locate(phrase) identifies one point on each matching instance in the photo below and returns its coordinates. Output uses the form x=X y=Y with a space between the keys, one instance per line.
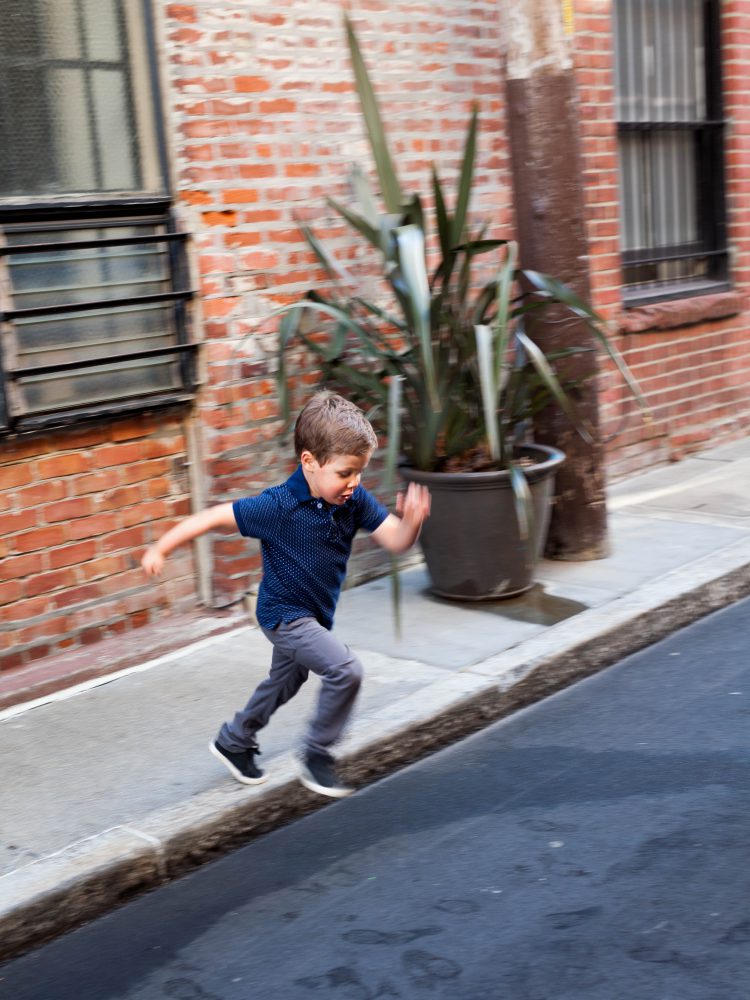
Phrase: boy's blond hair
x=330 y=425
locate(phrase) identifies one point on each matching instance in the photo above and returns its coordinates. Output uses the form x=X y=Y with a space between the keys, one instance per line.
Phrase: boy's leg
x=299 y=647
x=314 y=648
x=284 y=680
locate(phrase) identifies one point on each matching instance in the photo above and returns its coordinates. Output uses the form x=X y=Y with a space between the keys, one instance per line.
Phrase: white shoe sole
x=237 y=775
x=333 y=793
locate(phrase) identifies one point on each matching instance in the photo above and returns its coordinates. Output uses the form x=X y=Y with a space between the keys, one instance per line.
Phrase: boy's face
x=335 y=481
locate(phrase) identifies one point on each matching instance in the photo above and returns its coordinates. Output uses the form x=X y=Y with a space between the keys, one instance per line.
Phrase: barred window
x=670 y=136
x=93 y=280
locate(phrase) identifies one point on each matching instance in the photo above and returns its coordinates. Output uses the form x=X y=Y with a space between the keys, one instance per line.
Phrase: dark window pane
x=70 y=120
x=669 y=150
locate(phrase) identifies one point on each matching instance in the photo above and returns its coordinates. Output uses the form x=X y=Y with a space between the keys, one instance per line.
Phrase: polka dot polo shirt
x=305 y=544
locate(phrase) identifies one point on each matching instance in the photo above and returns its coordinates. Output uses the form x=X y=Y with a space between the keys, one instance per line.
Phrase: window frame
x=79 y=211
x=710 y=188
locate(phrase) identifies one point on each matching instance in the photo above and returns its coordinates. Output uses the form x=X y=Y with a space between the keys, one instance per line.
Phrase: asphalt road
x=593 y=847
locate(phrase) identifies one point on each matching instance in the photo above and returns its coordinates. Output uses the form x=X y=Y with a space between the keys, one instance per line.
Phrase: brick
x=234 y=196
x=12 y=476
x=252 y=170
x=57 y=466
x=278 y=106
x=251 y=84
x=19 y=520
x=96 y=482
x=76 y=595
x=223 y=218
x=46 y=583
x=39 y=538
x=93 y=526
x=66 y=510
x=107 y=566
x=25 y=610
x=117 y=454
x=219 y=307
x=242 y=239
x=72 y=555
x=15 y=567
x=128 y=538
x=122 y=497
x=41 y=493
x=182 y=12
x=10 y=591
x=143 y=513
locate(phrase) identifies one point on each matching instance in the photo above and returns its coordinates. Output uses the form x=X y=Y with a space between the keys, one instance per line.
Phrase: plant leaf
x=523 y=502
x=335 y=270
x=380 y=313
x=563 y=293
x=365 y=198
x=389 y=185
x=414 y=272
x=488 y=387
x=551 y=383
x=444 y=222
x=466 y=177
x=371 y=234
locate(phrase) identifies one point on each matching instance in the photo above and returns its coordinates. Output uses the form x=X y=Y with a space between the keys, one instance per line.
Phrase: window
x=93 y=279
x=670 y=132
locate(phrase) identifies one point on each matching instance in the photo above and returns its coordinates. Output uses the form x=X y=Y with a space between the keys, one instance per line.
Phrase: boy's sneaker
x=319 y=776
x=240 y=764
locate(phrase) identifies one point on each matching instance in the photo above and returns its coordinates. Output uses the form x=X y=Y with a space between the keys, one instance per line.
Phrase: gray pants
x=299 y=647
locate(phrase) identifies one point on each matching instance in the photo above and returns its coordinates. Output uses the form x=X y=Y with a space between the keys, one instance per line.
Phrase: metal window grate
x=670 y=125
x=94 y=317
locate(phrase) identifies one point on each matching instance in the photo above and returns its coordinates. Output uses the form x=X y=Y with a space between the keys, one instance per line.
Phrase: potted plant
x=444 y=363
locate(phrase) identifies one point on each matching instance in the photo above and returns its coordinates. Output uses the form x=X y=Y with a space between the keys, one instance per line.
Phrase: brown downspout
x=549 y=205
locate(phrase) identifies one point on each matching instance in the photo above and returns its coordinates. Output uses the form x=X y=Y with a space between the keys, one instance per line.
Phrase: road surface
x=593 y=847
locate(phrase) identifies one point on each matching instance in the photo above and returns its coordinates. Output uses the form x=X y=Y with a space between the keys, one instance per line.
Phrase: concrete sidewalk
x=108 y=789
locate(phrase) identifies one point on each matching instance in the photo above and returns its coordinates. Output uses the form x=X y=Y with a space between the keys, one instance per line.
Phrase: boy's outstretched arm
x=186 y=530
x=397 y=534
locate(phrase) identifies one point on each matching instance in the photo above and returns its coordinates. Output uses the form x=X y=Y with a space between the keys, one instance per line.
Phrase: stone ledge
x=62 y=891
x=681 y=312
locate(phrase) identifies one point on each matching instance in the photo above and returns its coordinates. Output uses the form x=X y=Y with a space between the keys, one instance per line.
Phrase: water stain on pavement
x=535 y=607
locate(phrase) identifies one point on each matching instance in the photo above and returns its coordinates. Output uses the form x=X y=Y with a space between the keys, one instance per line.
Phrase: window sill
x=676 y=313
x=34 y=425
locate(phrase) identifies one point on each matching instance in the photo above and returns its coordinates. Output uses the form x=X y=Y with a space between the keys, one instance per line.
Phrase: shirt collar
x=298 y=485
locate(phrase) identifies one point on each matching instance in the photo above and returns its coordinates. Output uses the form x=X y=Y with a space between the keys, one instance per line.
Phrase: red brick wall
x=78 y=508
x=266 y=124
x=692 y=368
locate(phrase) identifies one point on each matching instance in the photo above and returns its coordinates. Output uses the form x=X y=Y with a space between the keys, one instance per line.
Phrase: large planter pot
x=471 y=542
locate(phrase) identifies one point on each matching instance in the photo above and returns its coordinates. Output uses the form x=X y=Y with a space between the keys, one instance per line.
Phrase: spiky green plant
x=452 y=346
x=444 y=365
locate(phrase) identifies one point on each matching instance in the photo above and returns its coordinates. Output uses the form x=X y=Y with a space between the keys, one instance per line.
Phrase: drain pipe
x=198 y=502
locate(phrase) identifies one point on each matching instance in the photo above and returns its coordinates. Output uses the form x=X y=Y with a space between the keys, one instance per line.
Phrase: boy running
x=306 y=527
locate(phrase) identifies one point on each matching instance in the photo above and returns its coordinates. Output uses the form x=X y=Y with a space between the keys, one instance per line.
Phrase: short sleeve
x=370 y=512
x=256 y=516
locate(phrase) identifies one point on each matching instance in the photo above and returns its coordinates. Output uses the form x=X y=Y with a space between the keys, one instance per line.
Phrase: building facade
x=155 y=160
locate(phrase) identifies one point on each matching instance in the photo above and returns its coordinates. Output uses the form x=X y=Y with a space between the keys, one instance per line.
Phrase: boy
x=306 y=527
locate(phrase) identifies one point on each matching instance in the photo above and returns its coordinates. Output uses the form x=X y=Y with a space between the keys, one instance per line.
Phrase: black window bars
x=174 y=349
x=671 y=138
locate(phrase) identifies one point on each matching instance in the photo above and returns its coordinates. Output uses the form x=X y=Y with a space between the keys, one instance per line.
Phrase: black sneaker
x=319 y=776
x=240 y=764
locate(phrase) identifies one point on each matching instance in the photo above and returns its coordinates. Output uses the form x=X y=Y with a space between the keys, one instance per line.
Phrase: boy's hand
x=400 y=531
x=152 y=561
x=414 y=506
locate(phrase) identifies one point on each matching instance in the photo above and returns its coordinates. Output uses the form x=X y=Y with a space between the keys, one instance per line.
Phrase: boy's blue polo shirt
x=305 y=544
